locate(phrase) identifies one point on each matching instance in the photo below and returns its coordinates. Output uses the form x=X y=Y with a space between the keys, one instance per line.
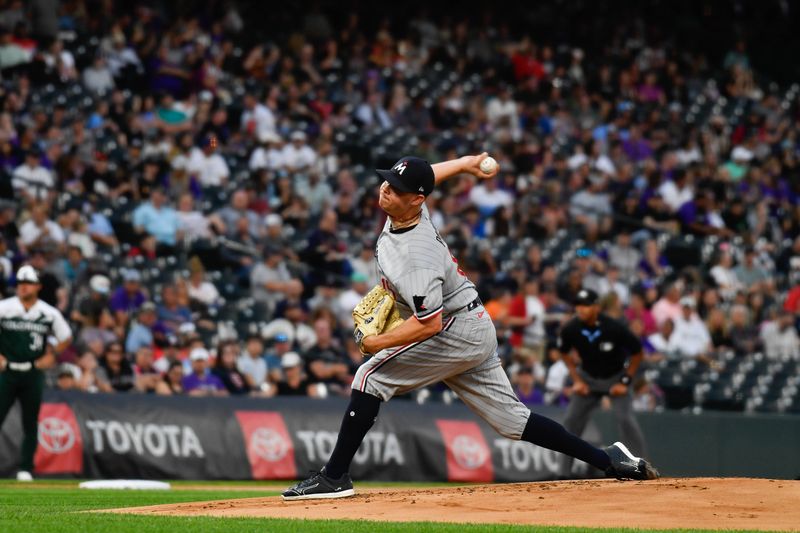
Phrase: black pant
x=28 y=387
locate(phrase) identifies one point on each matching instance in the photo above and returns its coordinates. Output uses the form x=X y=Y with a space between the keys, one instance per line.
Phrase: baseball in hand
x=488 y=165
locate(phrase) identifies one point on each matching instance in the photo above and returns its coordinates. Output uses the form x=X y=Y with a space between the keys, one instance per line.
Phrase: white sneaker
x=22 y=475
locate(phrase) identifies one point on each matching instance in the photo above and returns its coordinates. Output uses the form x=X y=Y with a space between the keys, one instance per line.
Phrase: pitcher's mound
x=707 y=503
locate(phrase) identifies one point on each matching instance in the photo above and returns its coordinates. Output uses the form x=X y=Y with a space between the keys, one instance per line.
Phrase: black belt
x=474 y=304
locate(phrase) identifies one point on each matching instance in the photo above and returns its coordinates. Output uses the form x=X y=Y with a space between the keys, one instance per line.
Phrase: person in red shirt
x=525 y=62
x=792 y=303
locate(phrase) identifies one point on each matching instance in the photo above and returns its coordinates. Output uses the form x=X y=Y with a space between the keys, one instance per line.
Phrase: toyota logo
x=55 y=435
x=468 y=452
x=269 y=444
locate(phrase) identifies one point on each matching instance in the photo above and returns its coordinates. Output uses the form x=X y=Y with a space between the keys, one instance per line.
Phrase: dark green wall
x=717 y=444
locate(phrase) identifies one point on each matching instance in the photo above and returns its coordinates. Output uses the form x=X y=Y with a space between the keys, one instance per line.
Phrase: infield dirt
x=707 y=503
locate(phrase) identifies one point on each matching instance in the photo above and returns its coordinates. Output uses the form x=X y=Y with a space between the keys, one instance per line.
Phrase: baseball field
x=696 y=504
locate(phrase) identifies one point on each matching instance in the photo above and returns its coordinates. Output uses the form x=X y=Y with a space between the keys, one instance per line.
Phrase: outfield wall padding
x=152 y=437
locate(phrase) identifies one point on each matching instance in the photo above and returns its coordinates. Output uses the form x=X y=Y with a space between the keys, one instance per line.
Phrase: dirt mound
x=708 y=503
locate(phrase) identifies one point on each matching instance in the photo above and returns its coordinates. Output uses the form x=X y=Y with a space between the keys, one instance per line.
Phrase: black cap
x=410 y=174
x=585 y=297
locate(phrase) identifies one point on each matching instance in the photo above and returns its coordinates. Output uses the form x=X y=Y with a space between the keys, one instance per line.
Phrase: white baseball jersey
x=23 y=333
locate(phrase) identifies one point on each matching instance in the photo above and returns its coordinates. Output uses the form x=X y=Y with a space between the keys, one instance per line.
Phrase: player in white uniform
x=26 y=326
x=446 y=336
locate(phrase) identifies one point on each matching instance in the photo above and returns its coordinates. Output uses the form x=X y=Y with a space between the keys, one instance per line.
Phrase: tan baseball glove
x=375 y=314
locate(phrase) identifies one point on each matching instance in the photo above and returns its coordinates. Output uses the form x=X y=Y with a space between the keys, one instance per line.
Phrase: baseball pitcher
x=440 y=332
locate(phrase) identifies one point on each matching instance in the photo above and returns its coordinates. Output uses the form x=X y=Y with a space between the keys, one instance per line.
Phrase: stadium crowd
x=204 y=210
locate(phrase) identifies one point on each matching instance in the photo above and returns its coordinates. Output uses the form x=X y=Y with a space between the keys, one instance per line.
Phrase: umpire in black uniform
x=609 y=356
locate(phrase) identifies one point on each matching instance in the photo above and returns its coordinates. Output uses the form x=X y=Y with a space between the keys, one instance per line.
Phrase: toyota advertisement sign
x=133 y=436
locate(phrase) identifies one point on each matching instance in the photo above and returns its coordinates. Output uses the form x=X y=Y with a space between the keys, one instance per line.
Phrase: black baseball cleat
x=625 y=465
x=320 y=486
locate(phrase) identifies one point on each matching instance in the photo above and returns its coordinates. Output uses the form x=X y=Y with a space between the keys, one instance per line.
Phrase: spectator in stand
x=201 y=382
x=792 y=302
x=89 y=309
x=624 y=257
x=611 y=283
x=664 y=342
x=298 y=156
x=744 y=336
x=725 y=276
x=693 y=338
x=669 y=305
x=257 y=119
x=748 y=273
x=591 y=208
x=51 y=291
x=129 y=298
x=526 y=389
x=225 y=368
x=146 y=377
x=172 y=382
x=170 y=313
x=11 y=54
x=677 y=191
x=144 y=329
x=206 y=165
x=192 y=224
x=700 y=217
x=98 y=335
x=65 y=378
x=271 y=280
x=202 y=292
x=32 y=181
x=789 y=259
x=71 y=270
x=225 y=220
x=488 y=197
x=780 y=337
x=115 y=373
x=347 y=300
x=85 y=370
x=528 y=306
x=326 y=252
x=158 y=219
x=268 y=156
x=98 y=77
x=718 y=330
x=252 y=365
x=294 y=383
x=278 y=345
x=40 y=232
x=637 y=310
x=326 y=361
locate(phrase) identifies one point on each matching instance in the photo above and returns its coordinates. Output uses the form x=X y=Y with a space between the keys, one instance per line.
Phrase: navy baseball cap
x=410 y=174
x=585 y=297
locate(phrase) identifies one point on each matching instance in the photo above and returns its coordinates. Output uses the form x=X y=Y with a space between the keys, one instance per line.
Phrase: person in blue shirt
x=158 y=219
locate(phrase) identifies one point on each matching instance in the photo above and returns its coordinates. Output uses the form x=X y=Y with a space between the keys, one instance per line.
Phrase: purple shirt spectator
x=126 y=302
x=207 y=381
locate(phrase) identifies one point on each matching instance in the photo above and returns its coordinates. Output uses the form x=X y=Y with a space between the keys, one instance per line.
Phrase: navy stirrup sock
x=553 y=436
x=359 y=417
